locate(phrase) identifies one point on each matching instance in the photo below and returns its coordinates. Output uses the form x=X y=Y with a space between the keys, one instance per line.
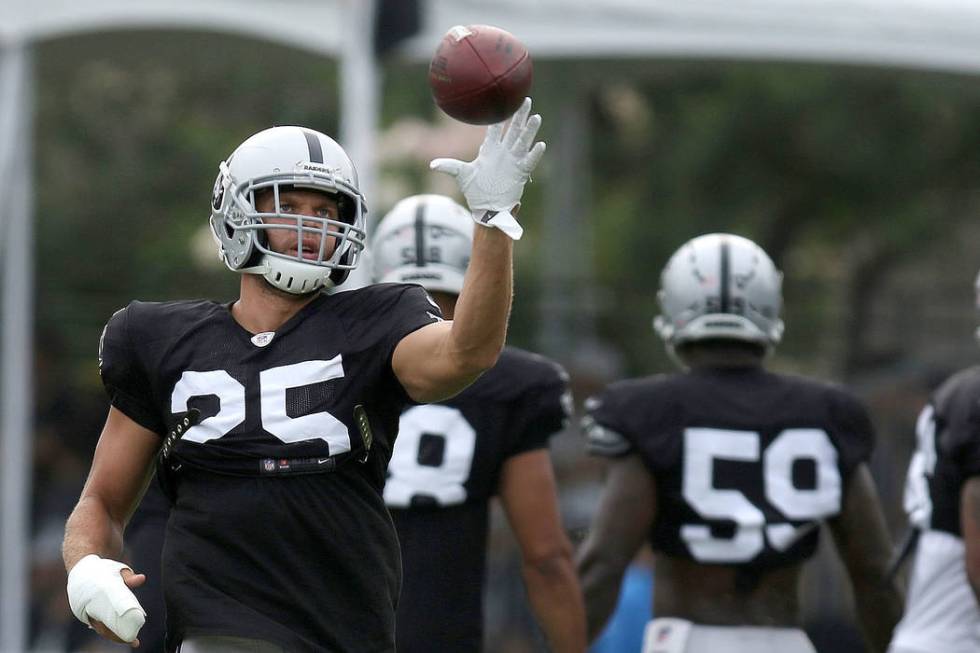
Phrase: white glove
x=494 y=182
x=96 y=590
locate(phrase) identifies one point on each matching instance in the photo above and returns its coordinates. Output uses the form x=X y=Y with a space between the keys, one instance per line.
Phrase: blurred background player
x=942 y=498
x=728 y=469
x=451 y=458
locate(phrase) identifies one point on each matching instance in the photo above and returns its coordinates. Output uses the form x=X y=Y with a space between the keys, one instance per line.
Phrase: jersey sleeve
x=377 y=317
x=605 y=429
x=123 y=376
x=545 y=410
x=412 y=310
x=855 y=433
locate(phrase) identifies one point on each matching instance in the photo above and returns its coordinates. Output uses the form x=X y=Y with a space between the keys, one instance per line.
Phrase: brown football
x=480 y=74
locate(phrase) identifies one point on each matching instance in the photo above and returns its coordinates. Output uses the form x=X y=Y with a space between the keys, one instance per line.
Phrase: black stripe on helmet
x=420 y=234
x=726 y=294
x=313 y=143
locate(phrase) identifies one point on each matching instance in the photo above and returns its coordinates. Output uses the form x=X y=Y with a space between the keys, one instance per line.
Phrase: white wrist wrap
x=96 y=591
x=503 y=220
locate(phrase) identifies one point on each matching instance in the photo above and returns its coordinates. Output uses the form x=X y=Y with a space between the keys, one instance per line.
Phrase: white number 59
x=702 y=446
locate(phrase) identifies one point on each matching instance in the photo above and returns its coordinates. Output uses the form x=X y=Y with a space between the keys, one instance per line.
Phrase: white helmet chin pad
x=720 y=286
x=276 y=160
x=296 y=277
x=424 y=239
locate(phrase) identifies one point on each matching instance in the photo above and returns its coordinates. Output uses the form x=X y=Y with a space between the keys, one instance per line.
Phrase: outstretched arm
x=528 y=494
x=623 y=520
x=439 y=360
x=865 y=547
x=970 y=525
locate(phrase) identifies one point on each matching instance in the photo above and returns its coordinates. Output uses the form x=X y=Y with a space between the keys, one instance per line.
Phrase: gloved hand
x=494 y=182
x=97 y=591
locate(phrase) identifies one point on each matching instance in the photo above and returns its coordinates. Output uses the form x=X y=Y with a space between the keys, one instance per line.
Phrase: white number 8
x=408 y=477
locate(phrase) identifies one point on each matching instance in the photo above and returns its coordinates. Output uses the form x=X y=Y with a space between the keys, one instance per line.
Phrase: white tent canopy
x=285 y=22
x=941 y=35
x=936 y=34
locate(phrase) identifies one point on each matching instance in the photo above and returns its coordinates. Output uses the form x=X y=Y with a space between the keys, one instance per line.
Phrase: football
x=480 y=74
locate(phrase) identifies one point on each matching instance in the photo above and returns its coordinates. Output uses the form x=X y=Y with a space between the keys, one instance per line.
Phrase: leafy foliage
x=127 y=154
x=843 y=174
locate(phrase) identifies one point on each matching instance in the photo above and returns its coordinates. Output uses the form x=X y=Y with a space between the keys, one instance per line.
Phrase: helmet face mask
x=424 y=239
x=720 y=287
x=277 y=160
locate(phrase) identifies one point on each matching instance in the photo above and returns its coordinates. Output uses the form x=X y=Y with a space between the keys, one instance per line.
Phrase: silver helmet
x=720 y=286
x=276 y=159
x=424 y=239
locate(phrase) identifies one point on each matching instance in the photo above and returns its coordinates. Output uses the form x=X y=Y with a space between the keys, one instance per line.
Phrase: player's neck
x=730 y=359
x=262 y=308
x=446 y=302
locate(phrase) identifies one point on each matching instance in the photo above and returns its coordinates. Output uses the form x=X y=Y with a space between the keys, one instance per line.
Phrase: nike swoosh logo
x=320 y=461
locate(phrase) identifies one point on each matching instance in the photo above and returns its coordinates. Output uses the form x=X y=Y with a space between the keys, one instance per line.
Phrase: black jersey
x=258 y=545
x=947 y=453
x=444 y=470
x=746 y=462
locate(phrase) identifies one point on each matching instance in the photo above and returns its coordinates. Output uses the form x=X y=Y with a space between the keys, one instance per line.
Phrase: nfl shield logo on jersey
x=264 y=338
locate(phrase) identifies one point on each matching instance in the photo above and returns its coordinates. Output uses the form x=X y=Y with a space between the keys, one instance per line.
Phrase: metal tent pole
x=359 y=109
x=17 y=245
x=567 y=307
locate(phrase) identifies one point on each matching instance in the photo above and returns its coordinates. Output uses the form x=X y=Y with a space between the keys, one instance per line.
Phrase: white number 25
x=273 y=384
